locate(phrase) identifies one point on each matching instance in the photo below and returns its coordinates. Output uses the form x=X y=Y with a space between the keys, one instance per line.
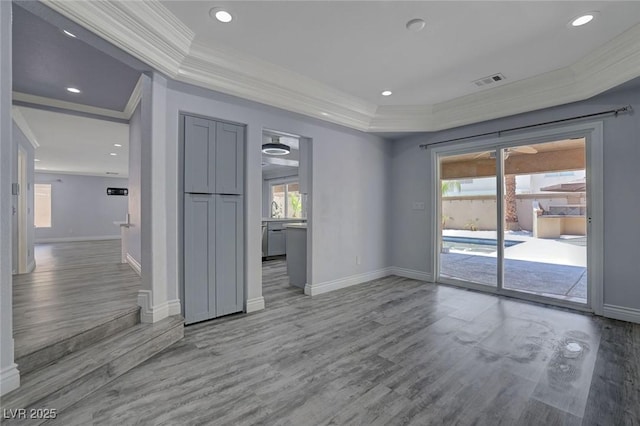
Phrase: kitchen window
x=285 y=200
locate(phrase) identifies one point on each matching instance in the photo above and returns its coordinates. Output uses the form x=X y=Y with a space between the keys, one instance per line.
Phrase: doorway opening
x=515 y=218
x=71 y=139
x=285 y=215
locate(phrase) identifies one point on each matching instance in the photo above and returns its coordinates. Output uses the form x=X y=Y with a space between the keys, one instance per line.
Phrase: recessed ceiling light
x=387 y=93
x=326 y=114
x=416 y=25
x=117 y=144
x=113 y=153
x=582 y=19
x=69 y=34
x=73 y=90
x=220 y=14
x=35 y=159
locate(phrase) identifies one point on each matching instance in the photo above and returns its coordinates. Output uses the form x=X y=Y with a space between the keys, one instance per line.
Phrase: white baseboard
x=255 y=304
x=412 y=274
x=327 y=286
x=622 y=313
x=150 y=313
x=135 y=265
x=31 y=266
x=174 y=307
x=9 y=379
x=74 y=239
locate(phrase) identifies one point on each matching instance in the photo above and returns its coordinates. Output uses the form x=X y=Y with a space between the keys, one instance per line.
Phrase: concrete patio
x=553 y=268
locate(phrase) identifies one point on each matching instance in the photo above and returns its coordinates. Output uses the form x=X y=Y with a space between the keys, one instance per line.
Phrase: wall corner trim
x=622 y=313
x=150 y=313
x=412 y=274
x=135 y=265
x=327 y=286
x=9 y=379
x=255 y=304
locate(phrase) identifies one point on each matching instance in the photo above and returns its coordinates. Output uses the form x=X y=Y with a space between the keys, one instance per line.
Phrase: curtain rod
x=614 y=112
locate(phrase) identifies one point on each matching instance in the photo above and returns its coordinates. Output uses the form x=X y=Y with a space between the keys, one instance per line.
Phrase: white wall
x=135 y=218
x=81 y=208
x=20 y=140
x=411 y=170
x=9 y=376
x=350 y=191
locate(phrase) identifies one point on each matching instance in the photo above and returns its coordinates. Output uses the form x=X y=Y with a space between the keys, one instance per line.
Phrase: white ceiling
x=75 y=144
x=278 y=164
x=363 y=47
x=331 y=59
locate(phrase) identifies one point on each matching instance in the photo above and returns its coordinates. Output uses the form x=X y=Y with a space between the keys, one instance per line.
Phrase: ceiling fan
x=524 y=149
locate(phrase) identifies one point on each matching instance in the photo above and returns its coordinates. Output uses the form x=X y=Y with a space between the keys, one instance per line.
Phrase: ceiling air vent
x=492 y=79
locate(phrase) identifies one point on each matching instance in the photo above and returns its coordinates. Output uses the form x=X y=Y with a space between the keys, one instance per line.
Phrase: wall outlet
x=418 y=205
x=357 y=260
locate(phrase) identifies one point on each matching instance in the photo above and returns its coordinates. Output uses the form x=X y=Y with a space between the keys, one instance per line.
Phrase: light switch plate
x=418 y=205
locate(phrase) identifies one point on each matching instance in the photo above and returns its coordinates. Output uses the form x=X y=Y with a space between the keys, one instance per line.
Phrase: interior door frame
x=593 y=134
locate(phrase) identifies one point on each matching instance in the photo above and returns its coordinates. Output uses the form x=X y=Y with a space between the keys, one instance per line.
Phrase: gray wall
x=266 y=180
x=20 y=140
x=135 y=129
x=350 y=191
x=81 y=208
x=410 y=173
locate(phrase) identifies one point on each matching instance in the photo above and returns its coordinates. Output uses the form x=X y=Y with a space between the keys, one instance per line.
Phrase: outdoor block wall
x=480 y=210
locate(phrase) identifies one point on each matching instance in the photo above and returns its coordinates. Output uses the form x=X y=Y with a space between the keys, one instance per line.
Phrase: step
x=72 y=378
x=35 y=357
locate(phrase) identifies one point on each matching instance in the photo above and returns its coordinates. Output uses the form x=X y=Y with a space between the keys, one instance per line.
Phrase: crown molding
x=151 y=33
x=79 y=173
x=230 y=72
x=608 y=66
x=144 y=29
x=71 y=106
x=22 y=124
x=134 y=99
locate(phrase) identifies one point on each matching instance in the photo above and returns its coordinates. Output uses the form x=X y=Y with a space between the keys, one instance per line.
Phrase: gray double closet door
x=213 y=219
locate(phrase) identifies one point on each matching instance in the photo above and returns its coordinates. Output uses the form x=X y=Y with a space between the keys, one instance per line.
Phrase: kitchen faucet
x=274 y=209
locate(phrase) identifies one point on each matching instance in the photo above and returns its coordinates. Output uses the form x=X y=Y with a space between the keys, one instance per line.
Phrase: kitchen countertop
x=296 y=226
x=275 y=219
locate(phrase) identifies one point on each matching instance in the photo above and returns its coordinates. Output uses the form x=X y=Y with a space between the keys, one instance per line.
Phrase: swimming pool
x=474 y=245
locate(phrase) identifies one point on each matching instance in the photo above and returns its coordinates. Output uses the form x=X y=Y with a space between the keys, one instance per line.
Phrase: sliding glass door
x=512 y=219
x=468 y=238
x=545 y=216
